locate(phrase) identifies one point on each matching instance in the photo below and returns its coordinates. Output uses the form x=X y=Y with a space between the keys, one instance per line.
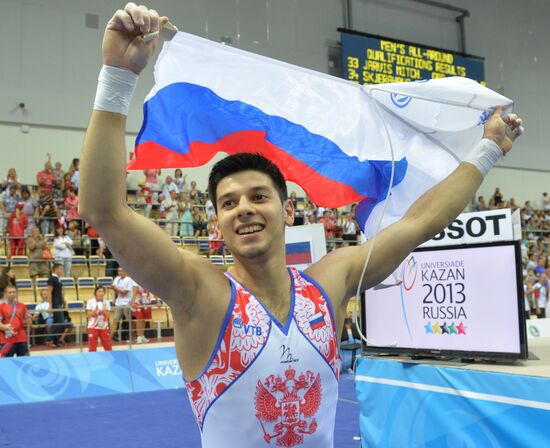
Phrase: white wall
x=50 y=61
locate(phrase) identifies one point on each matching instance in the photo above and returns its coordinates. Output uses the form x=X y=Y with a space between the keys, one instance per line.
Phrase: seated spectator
x=14 y=317
x=42 y=316
x=47 y=212
x=11 y=179
x=8 y=201
x=39 y=255
x=17 y=224
x=98 y=310
x=7 y=278
x=63 y=250
x=179 y=180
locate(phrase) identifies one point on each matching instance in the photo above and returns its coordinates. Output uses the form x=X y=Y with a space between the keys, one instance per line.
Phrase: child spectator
x=17 y=224
x=141 y=304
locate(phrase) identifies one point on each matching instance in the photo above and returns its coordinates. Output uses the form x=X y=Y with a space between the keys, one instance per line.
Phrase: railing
x=158 y=326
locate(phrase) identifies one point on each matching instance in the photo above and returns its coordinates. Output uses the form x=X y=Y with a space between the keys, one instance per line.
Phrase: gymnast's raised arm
x=145 y=251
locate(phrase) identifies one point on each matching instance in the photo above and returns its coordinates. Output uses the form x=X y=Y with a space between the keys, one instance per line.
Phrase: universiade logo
x=167 y=367
x=437 y=328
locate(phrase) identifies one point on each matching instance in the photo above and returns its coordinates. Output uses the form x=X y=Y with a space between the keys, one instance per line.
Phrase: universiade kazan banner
x=410 y=405
x=463 y=298
x=61 y=377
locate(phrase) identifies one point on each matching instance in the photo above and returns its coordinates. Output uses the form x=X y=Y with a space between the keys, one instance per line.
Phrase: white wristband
x=484 y=155
x=115 y=88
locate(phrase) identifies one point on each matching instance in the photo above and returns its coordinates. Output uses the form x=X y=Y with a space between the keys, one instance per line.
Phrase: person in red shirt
x=46 y=178
x=13 y=318
x=98 y=311
x=17 y=223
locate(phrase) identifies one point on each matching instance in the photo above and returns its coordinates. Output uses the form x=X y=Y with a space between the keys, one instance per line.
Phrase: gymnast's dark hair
x=242 y=162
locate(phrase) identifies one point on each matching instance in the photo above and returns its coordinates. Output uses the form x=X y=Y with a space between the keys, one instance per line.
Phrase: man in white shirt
x=43 y=317
x=122 y=285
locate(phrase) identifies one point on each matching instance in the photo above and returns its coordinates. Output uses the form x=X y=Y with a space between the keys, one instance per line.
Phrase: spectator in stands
x=497 y=197
x=194 y=193
x=66 y=184
x=63 y=249
x=179 y=180
x=186 y=215
x=292 y=197
x=214 y=236
x=46 y=178
x=30 y=207
x=200 y=226
x=169 y=186
x=42 y=316
x=512 y=204
x=17 y=224
x=328 y=223
x=349 y=228
x=98 y=310
x=39 y=255
x=11 y=179
x=14 y=316
x=56 y=302
x=47 y=212
x=141 y=304
x=541 y=296
x=145 y=198
x=122 y=286
x=73 y=170
x=71 y=205
x=8 y=201
x=58 y=186
x=545 y=203
x=541 y=266
x=209 y=206
x=170 y=206
x=310 y=219
x=93 y=238
x=74 y=233
x=7 y=278
x=151 y=178
x=480 y=206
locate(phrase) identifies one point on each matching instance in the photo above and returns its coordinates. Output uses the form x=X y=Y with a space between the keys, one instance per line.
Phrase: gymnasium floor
x=153 y=419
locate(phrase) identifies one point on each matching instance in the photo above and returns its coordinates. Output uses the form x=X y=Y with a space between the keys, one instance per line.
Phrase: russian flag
x=298 y=253
x=330 y=136
x=317 y=321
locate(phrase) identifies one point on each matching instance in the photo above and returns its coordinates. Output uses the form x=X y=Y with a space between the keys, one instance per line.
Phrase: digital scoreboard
x=370 y=59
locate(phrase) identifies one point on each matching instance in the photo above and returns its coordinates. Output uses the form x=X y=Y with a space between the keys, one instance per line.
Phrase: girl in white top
x=63 y=250
x=98 y=311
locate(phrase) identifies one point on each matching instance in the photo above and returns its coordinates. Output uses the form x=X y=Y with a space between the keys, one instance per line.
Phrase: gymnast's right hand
x=123 y=44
